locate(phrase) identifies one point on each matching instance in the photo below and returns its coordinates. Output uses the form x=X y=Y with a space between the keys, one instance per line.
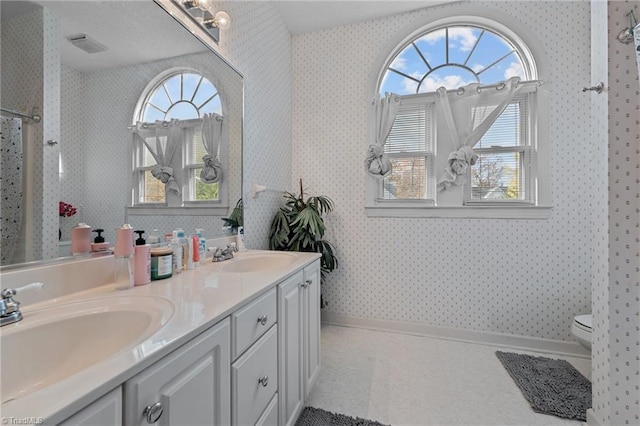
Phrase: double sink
x=55 y=342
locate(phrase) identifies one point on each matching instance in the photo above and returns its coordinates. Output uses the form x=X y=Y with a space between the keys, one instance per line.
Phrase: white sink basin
x=258 y=262
x=53 y=343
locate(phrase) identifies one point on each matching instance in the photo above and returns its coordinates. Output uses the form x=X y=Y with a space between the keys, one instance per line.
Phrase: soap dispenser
x=98 y=242
x=142 y=261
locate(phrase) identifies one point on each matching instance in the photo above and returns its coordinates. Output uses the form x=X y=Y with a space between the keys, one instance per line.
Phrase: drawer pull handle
x=264 y=381
x=305 y=284
x=152 y=413
x=308 y=282
x=262 y=320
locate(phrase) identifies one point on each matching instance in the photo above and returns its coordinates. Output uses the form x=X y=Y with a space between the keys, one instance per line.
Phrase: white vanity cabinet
x=106 y=411
x=298 y=340
x=254 y=371
x=190 y=386
x=311 y=323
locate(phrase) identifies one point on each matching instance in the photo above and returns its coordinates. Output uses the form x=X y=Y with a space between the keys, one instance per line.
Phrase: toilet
x=581 y=330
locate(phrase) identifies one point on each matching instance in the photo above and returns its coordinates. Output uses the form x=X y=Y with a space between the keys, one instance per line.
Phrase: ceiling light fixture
x=201 y=11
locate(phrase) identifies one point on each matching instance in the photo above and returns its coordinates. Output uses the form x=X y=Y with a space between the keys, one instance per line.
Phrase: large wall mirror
x=130 y=67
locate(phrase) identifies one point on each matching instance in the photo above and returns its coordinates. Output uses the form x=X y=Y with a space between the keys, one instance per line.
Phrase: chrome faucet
x=220 y=255
x=9 y=308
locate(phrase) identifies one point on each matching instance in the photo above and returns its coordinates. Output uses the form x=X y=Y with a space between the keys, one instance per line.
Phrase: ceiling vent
x=86 y=43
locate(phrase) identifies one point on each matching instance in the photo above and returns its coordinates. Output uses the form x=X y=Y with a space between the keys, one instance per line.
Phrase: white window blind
x=506 y=161
x=410 y=147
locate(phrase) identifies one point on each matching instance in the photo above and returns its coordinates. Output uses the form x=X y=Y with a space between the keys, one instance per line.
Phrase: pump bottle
x=141 y=261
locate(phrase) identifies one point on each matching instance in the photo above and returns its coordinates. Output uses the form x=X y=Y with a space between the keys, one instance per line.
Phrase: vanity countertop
x=201 y=298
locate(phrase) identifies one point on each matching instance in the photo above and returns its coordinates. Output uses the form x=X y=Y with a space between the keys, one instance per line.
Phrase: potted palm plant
x=299 y=226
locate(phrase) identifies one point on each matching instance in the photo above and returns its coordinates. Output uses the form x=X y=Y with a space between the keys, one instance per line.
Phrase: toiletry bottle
x=196 y=250
x=190 y=252
x=123 y=254
x=98 y=242
x=203 y=243
x=81 y=239
x=178 y=234
x=154 y=237
x=142 y=261
x=176 y=247
x=240 y=239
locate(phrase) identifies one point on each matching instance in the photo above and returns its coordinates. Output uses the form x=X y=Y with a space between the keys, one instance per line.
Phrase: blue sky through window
x=451 y=57
x=183 y=96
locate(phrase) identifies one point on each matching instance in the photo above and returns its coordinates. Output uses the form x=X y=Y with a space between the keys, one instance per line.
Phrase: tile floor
x=401 y=379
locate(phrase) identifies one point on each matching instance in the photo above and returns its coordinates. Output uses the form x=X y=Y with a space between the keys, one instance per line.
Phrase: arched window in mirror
x=185 y=96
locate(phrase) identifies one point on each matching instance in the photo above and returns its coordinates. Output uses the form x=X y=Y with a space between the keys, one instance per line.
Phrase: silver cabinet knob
x=152 y=413
x=308 y=282
x=262 y=320
x=264 y=381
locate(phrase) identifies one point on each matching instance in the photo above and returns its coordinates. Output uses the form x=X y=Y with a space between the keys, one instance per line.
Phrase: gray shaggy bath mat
x=316 y=417
x=552 y=386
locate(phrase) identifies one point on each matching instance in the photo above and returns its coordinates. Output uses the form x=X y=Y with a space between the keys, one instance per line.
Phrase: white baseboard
x=591 y=418
x=557 y=347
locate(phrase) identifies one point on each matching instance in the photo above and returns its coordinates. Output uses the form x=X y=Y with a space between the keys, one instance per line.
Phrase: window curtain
x=211 y=138
x=468 y=113
x=377 y=163
x=162 y=140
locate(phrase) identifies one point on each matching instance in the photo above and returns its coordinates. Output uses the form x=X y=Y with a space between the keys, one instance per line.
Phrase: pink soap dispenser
x=141 y=261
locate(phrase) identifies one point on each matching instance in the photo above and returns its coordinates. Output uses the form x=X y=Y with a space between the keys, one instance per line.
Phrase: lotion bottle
x=142 y=261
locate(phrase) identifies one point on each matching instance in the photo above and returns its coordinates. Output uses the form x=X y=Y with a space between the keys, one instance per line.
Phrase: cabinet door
x=291 y=397
x=106 y=411
x=191 y=384
x=311 y=323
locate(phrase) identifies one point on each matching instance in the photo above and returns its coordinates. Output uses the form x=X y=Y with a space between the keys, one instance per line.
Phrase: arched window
x=187 y=96
x=182 y=95
x=454 y=55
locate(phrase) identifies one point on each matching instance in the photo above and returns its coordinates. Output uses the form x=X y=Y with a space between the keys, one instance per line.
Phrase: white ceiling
x=133 y=31
x=303 y=16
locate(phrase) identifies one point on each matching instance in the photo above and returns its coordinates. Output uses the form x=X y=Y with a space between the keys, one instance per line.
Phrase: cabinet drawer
x=251 y=322
x=270 y=415
x=254 y=379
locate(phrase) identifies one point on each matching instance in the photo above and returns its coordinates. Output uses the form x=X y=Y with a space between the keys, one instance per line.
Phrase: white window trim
x=541 y=143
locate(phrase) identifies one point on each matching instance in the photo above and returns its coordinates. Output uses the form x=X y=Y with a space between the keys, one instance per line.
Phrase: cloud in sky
x=399 y=63
x=432 y=83
x=514 y=70
x=463 y=37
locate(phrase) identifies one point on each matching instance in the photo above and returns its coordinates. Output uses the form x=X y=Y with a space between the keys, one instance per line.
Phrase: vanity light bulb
x=205 y=4
x=222 y=20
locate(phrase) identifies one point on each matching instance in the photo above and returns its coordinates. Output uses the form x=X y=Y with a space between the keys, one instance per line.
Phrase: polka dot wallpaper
x=599 y=237
x=624 y=221
x=259 y=45
x=29 y=50
x=523 y=277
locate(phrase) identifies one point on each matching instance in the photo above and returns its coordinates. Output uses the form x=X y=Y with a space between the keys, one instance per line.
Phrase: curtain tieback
x=376 y=162
x=165 y=175
x=212 y=170
x=459 y=162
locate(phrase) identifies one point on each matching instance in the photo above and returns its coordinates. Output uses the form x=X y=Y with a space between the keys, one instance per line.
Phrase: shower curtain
x=10 y=186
